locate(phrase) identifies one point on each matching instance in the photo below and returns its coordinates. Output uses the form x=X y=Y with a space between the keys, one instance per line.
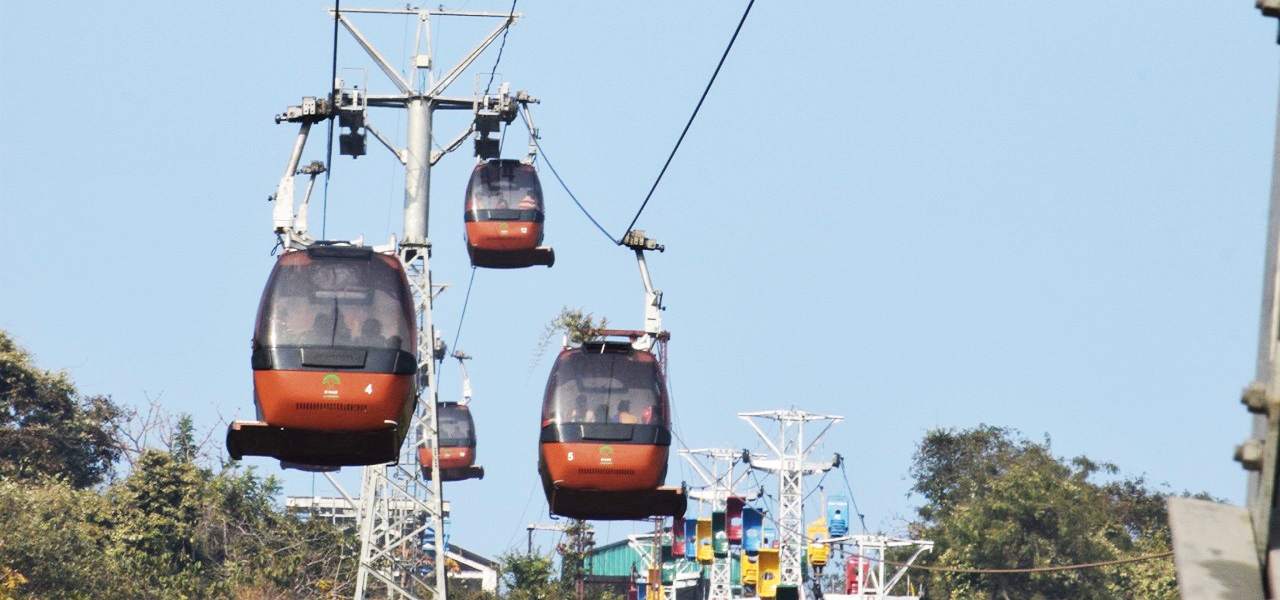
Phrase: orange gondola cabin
x=457 y=445
x=504 y=215
x=333 y=360
x=606 y=434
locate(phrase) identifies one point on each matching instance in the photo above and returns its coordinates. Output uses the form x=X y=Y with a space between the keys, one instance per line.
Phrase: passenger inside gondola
x=499 y=188
x=371 y=334
x=624 y=415
x=325 y=330
x=580 y=412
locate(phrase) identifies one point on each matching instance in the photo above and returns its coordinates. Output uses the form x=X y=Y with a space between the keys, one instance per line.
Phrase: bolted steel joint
x=1249 y=455
x=1254 y=397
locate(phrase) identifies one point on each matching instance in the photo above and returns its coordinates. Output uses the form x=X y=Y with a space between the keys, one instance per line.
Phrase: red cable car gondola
x=333 y=360
x=504 y=215
x=606 y=433
x=457 y=445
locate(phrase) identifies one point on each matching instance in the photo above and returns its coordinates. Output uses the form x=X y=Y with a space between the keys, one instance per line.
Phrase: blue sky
x=1041 y=216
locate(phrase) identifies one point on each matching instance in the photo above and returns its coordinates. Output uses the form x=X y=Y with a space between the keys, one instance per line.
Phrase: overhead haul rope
x=848 y=488
x=494 y=71
x=333 y=99
x=1104 y=563
x=691 y=117
x=465 y=301
x=524 y=512
x=593 y=220
x=818 y=487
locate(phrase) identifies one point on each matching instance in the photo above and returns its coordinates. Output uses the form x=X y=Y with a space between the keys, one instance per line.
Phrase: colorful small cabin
x=705 y=551
x=769 y=573
x=719 y=537
x=691 y=538
x=733 y=512
x=750 y=566
x=818 y=552
x=752 y=522
x=838 y=515
x=677 y=537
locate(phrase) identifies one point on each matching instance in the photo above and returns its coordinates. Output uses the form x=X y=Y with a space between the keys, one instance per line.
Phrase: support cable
x=691 y=117
x=818 y=487
x=1104 y=563
x=543 y=154
x=494 y=70
x=524 y=512
x=465 y=302
x=848 y=488
x=333 y=99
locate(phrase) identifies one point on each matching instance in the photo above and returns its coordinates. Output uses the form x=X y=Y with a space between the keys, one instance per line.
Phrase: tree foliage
x=47 y=429
x=173 y=527
x=997 y=501
x=578 y=325
x=530 y=577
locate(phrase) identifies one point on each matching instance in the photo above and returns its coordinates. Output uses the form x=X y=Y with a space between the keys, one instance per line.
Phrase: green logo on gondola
x=606 y=450
x=331 y=383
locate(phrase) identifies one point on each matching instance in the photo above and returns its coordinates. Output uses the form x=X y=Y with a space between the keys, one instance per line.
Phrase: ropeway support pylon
x=397 y=508
x=790 y=466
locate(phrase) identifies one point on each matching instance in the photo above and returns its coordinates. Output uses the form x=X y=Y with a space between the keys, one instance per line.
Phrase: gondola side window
x=339 y=303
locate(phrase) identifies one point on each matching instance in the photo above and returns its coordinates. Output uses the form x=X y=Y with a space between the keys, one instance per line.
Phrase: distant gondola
x=606 y=433
x=504 y=215
x=333 y=360
x=457 y=445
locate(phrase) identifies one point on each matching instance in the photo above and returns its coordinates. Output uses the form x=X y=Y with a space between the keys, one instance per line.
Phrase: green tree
x=160 y=506
x=47 y=428
x=580 y=326
x=171 y=528
x=997 y=501
x=59 y=543
x=579 y=539
x=529 y=577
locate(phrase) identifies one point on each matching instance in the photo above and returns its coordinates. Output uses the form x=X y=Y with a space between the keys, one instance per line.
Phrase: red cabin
x=457 y=445
x=504 y=215
x=733 y=514
x=606 y=433
x=333 y=360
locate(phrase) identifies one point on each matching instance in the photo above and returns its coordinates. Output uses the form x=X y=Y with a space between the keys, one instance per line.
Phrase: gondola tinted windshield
x=456 y=427
x=504 y=185
x=605 y=387
x=337 y=296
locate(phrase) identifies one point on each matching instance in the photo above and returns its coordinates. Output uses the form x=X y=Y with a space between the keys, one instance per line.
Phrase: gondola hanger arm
x=636 y=240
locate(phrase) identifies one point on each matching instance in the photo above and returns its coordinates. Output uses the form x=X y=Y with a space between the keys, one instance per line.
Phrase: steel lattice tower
x=789 y=465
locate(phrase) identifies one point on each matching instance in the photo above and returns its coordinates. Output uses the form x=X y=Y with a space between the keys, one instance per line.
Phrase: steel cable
x=691 y=117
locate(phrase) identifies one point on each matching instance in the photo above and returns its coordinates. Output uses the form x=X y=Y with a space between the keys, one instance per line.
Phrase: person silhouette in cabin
x=624 y=414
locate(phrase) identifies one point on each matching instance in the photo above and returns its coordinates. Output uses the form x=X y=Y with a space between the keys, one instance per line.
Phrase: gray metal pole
x=417 y=192
x=417 y=171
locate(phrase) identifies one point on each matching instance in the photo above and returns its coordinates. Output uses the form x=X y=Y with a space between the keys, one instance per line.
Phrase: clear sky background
x=1044 y=216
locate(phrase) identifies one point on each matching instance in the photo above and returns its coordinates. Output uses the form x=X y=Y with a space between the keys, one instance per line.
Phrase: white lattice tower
x=396 y=504
x=720 y=483
x=789 y=465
